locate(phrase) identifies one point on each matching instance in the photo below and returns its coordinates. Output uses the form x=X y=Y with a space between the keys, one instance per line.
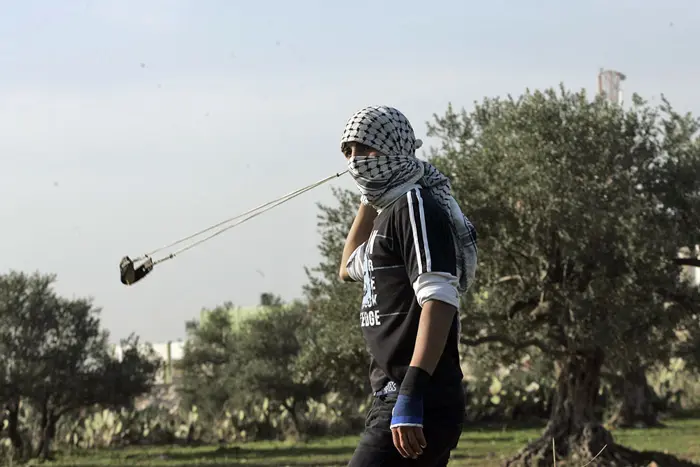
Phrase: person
x=415 y=253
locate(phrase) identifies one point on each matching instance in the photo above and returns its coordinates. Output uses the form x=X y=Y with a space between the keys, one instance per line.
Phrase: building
x=610 y=85
x=170 y=352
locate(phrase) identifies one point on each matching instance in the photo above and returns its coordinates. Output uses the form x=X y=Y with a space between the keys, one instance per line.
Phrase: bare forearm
x=435 y=321
x=358 y=234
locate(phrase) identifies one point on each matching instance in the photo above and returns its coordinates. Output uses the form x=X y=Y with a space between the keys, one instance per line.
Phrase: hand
x=407 y=426
x=366 y=214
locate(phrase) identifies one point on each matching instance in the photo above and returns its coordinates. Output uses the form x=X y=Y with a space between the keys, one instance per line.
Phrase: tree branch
x=508 y=342
x=684 y=301
x=516 y=277
x=695 y=262
x=610 y=376
x=536 y=307
x=512 y=256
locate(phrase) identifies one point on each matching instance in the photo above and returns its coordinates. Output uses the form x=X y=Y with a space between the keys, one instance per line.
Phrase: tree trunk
x=13 y=426
x=47 y=436
x=636 y=402
x=296 y=422
x=43 y=430
x=573 y=430
x=48 y=422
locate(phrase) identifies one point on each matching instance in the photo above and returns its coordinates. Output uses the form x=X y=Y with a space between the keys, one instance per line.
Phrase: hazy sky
x=127 y=124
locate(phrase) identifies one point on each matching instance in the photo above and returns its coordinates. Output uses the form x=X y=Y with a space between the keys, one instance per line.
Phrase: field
x=482 y=447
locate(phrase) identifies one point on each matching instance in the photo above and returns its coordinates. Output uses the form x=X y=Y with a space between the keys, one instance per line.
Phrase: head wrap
x=383 y=178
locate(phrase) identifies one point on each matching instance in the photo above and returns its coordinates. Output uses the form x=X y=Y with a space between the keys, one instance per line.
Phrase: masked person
x=415 y=252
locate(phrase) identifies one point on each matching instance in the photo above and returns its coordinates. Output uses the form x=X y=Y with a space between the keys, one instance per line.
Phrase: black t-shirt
x=410 y=238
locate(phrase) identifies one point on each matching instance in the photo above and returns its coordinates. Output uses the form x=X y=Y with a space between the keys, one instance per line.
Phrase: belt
x=390 y=388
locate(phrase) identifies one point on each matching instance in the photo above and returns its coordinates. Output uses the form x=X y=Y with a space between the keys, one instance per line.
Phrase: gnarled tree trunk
x=49 y=420
x=13 y=426
x=574 y=431
x=635 y=402
x=296 y=420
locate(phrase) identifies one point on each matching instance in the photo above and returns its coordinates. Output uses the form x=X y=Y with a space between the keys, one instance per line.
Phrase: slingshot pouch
x=131 y=274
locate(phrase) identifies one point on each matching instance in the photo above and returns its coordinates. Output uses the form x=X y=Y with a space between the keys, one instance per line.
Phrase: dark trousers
x=442 y=427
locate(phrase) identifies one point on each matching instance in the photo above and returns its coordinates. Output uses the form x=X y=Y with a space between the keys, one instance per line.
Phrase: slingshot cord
x=243 y=218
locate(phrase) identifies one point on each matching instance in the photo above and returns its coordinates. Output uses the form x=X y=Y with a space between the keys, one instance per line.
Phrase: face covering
x=384 y=178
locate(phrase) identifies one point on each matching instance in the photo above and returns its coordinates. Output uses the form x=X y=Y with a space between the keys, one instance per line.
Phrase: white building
x=170 y=352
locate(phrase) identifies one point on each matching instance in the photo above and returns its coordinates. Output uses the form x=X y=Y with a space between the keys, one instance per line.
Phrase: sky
x=128 y=124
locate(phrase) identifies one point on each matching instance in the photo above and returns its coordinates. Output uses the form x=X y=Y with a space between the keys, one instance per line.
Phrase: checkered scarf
x=384 y=178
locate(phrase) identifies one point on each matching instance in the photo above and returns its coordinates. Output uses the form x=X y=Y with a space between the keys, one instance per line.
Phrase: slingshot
x=133 y=270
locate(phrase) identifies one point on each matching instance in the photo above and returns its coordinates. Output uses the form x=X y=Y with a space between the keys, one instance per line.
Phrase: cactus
x=159 y=420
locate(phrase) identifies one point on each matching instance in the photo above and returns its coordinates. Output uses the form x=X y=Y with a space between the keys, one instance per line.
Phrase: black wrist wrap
x=415 y=382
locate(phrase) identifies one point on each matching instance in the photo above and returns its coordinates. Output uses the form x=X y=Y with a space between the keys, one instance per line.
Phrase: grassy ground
x=483 y=448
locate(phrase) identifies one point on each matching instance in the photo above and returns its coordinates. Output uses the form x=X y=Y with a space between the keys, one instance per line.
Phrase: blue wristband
x=408 y=411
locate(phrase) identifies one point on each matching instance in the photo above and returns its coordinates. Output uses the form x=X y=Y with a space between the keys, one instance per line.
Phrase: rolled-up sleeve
x=428 y=250
x=355 y=264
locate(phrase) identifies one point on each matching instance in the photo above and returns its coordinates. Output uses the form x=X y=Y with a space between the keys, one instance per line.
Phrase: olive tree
x=581 y=208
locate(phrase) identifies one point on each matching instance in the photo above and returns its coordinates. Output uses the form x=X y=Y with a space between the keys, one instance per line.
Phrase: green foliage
x=209 y=364
x=677 y=385
x=268 y=349
x=581 y=208
x=55 y=361
x=248 y=377
x=337 y=349
x=519 y=391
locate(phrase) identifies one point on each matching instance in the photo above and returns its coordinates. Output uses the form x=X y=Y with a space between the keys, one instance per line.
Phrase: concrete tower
x=609 y=84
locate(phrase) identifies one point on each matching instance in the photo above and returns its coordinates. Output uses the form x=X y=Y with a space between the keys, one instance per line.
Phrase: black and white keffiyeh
x=384 y=178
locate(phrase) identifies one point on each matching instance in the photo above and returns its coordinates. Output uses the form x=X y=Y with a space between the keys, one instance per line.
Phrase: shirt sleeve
x=428 y=250
x=355 y=264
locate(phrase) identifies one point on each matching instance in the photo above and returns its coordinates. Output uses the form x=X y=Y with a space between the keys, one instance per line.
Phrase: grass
x=478 y=447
